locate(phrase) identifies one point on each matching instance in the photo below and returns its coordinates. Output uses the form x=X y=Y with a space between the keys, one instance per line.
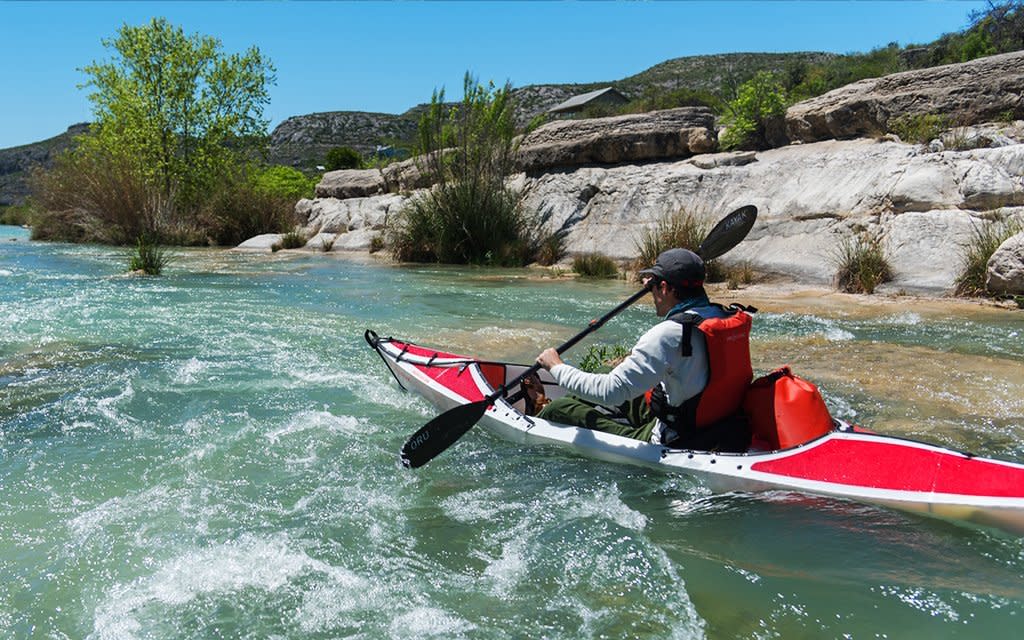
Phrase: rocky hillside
x=16 y=162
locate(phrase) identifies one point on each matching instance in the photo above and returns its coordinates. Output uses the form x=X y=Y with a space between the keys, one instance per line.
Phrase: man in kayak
x=683 y=382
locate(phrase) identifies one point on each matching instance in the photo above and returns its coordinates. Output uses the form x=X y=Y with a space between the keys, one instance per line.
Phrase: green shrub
x=861 y=264
x=343 y=158
x=985 y=239
x=68 y=225
x=239 y=210
x=740 y=275
x=921 y=128
x=149 y=257
x=17 y=215
x=91 y=194
x=551 y=248
x=758 y=100
x=682 y=229
x=595 y=265
x=376 y=244
x=462 y=223
x=469 y=216
x=278 y=181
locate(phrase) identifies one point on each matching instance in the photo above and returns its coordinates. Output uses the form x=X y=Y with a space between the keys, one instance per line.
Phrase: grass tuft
x=682 y=229
x=595 y=265
x=861 y=264
x=148 y=257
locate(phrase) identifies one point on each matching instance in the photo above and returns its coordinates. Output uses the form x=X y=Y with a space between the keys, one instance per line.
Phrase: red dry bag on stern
x=785 y=410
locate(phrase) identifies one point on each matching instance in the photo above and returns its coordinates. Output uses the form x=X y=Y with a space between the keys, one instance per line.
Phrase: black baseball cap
x=679 y=267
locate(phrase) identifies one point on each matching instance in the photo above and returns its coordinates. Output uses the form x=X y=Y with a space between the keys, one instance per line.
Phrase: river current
x=213 y=454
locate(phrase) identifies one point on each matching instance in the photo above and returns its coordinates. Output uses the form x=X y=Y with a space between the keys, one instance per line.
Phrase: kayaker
x=683 y=382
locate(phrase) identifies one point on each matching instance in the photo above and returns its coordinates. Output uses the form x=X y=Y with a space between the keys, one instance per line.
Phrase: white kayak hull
x=848 y=462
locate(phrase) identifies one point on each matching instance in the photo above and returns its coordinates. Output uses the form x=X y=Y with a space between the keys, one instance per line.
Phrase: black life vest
x=729 y=375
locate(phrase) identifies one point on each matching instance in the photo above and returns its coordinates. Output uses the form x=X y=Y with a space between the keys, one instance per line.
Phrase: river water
x=213 y=454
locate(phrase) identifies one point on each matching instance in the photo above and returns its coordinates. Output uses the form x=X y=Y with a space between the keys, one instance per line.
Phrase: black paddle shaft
x=444 y=430
x=570 y=343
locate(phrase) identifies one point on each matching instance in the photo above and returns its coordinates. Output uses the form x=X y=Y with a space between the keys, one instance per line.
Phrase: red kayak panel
x=458 y=378
x=898 y=467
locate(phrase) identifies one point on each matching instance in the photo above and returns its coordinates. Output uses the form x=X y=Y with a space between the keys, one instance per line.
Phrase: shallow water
x=212 y=453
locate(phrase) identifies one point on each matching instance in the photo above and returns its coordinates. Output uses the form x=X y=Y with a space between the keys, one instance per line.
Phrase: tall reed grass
x=682 y=229
x=861 y=264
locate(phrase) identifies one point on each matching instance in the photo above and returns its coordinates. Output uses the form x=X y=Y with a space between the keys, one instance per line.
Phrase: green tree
x=343 y=158
x=177 y=106
x=758 y=101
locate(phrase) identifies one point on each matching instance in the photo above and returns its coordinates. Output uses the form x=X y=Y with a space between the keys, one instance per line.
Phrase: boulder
x=350 y=183
x=644 y=137
x=1006 y=267
x=977 y=91
x=263 y=242
x=321 y=242
x=406 y=175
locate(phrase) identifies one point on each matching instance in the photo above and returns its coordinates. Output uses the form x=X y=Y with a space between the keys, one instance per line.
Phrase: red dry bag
x=785 y=410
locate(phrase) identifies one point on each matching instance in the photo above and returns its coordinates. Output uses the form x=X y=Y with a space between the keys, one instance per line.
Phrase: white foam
x=228 y=568
x=908 y=318
x=118 y=510
x=428 y=622
x=477 y=505
x=835 y=334
x=187 y=372
x=606 y=503
x=107 y=407
x=318 y=420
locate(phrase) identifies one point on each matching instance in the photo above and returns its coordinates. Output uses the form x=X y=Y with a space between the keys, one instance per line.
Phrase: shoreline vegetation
x=182 y=161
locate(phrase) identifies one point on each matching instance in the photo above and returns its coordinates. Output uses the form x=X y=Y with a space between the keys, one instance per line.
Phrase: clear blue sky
x=387 y=57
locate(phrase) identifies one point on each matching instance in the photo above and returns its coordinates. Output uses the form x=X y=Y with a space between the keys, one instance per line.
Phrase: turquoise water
x=213 y=454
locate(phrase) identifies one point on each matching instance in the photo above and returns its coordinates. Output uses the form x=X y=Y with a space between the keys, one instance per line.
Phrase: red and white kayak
x=847 y=462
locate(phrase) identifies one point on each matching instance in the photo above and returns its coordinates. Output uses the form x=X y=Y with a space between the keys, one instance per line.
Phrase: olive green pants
x=635 y=419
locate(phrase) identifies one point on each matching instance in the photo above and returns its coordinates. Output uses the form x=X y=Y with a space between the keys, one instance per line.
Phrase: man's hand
x=549 y=358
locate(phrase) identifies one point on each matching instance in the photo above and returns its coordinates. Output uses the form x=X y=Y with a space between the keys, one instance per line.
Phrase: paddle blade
x=441 y=433
x=728 y=233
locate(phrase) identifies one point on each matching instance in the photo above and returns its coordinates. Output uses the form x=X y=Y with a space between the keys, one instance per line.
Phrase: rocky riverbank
x=604 y=181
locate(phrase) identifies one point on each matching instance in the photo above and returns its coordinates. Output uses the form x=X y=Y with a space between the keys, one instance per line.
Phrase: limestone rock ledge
x=923 y=205
x=981 y=90
x=642 y=137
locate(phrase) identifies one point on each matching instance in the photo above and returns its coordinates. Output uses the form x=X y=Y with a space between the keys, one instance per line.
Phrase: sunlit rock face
x=1006 y=267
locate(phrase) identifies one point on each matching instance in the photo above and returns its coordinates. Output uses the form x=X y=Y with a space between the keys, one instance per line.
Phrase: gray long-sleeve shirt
x=655 y=359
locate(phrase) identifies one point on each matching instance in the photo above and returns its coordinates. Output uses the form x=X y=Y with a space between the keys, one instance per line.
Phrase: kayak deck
x=848 y=462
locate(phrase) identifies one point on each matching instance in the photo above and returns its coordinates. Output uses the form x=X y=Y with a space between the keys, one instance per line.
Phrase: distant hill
x=303 y=141
x=16 y=162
